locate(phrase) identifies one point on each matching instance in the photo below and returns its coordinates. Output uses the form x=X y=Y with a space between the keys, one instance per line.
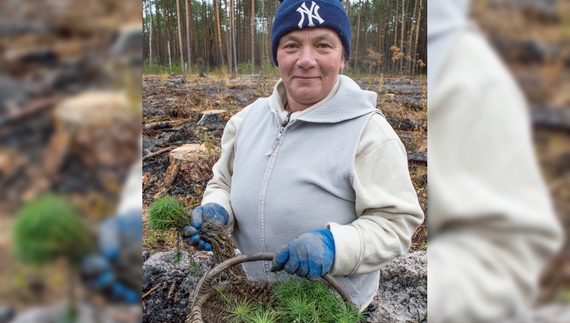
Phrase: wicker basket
x=204 y=289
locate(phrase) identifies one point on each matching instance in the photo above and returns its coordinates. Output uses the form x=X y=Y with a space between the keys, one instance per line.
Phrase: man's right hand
x=210 y=212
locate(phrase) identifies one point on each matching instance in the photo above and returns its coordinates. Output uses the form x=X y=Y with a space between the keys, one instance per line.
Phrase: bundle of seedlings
x=236 y=299
x=167 y=213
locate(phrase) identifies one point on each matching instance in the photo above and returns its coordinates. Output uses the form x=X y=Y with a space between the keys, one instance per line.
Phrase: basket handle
x=207 y=279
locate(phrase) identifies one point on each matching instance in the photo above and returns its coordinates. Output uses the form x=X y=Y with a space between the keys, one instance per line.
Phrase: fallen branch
x=547 y=117
x=158 y=125
x=25 y=111
x=152 y=290
x=406 y=124
x=417 y=156
x=158 y=152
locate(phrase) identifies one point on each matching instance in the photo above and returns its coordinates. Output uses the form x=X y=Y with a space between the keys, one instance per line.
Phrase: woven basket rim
x=197 y=300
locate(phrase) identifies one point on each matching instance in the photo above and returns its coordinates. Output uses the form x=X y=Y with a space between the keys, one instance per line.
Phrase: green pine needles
x=240 y=311
x=302 y=300
x=167 y=213
x=48 y=228
x=297 y=300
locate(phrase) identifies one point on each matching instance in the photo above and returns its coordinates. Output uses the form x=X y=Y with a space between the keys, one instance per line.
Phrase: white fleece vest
x=284 y=187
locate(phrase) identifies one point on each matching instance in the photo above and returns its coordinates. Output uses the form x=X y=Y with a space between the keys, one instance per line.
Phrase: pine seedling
x=49 y=228
x=264 y=316
x=348 y=315
x=240 y=311
x=299 y=309
x=167 y=213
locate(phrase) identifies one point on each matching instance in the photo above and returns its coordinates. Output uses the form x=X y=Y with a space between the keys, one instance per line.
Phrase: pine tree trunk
x=238 y=32
x=232 y=32
x=188 y=39
x=365 y=45
x=252 y=37
x=204 y=34
x=402 y=35
x=357 y=36
x=395 y=35
x=169 y=56
x=167 y=28
x=264 y=32
x=418 y=25
x=150 y=35
x=159 y=41
x=228 y=43
x=180 y=38
x=380 y=31
x=218 y=26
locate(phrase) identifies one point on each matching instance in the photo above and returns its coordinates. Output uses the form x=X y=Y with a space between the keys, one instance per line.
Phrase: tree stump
x=178 y=157
x=96 y=134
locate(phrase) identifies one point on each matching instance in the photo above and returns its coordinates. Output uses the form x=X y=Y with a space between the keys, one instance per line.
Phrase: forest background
x=233 y=36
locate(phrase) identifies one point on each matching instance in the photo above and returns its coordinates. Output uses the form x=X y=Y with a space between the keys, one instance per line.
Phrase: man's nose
x=306 y=57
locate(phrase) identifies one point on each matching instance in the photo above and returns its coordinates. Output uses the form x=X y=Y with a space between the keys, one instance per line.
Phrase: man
x=314 y=172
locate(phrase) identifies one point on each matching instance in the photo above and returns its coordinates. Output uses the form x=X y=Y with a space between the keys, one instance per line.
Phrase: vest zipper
x=278 y=139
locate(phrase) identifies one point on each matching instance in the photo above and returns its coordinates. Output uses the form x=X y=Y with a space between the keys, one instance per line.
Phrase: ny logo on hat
x=311 y=13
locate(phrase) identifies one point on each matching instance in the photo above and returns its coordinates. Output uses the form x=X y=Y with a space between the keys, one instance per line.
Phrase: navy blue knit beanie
x=298 y=14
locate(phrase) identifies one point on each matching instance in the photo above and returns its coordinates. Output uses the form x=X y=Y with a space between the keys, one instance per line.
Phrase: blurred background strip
x=70 y=129
x=533 y=39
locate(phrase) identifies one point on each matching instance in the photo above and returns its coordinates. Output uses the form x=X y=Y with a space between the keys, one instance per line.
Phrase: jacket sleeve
x=492 y=226
x=386 y=202
x=219 y=187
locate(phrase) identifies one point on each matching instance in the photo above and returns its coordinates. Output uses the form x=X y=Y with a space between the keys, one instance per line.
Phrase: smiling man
x=314 y=172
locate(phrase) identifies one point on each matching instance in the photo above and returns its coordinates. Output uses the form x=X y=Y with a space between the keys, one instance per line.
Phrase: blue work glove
x=113 y=270
x=120 y=234
x=210 y=212
x=97 y=275
x=311 y=255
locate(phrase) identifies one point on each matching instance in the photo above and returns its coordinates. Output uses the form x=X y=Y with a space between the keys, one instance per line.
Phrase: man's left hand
x=311 y=255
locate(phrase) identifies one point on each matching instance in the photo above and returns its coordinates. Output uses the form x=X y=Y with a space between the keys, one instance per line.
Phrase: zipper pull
x=278 y=138
x=286 y=120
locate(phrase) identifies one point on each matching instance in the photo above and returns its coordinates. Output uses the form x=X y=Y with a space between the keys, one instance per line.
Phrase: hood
x=349 y=102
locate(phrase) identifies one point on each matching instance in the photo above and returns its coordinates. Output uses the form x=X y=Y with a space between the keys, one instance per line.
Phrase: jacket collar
x=349 y=102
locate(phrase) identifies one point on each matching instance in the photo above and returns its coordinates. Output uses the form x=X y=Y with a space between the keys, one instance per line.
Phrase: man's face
x=309 y=62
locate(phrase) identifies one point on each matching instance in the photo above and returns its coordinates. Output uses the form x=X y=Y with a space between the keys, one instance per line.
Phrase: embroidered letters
x=311 y=13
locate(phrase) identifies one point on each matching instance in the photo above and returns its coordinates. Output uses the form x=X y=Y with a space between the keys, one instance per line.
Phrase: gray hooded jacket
x=293 y=181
